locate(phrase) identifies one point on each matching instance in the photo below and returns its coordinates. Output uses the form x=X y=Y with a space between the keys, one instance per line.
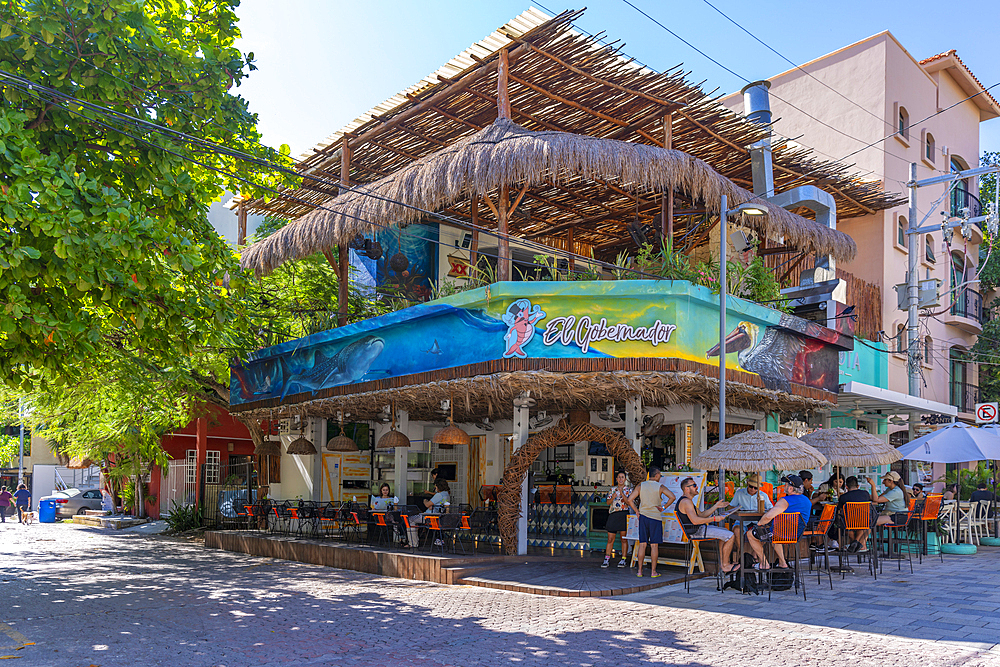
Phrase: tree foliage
x=985 y=350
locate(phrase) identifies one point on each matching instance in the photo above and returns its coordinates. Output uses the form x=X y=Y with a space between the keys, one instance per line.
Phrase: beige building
x=842 y=102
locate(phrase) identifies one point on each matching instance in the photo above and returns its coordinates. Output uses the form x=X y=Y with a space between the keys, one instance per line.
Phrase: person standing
x=5 y=498
x=650 y=495
x=617 y=523
x=22 y=499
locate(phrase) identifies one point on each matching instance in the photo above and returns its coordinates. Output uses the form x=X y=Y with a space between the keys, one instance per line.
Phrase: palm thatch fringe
x=492 y=395
x=758 y=451
x=505 y=153
x=850 y=447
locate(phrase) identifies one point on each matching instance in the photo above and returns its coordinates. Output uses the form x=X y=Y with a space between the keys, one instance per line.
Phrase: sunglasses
x=751 y=488
x=691 y=486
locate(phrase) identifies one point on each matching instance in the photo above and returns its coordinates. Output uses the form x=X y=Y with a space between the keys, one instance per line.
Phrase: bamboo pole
x=343 y=277
x=571 y=249
x=503 y=95
x=241 y=223
x=474 y=246
x=503 y=247
x=667 y=205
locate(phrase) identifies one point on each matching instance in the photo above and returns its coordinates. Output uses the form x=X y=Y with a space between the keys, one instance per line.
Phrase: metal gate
x=179 y=485
x=226 y=489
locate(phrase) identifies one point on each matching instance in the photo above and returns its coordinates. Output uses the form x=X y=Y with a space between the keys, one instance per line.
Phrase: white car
x=74 y=501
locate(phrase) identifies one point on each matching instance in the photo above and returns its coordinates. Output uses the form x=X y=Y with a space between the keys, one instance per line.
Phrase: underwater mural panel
x=550 y=320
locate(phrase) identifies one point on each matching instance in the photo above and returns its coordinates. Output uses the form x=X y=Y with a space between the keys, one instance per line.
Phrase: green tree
x=985 y=350
x=105 y=245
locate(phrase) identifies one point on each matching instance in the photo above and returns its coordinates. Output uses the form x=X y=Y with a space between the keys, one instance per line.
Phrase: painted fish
x=435 y=348
x=348 y=365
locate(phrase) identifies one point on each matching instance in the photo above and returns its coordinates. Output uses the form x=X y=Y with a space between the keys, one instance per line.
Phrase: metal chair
x=896 y=545
x=786 y=533
x=693 y=558
x=482 y=522
x=822 y=529
x=857 y=517
x=931 y=513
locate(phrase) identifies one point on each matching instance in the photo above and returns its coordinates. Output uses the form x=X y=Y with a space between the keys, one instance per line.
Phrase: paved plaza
x=74 y=596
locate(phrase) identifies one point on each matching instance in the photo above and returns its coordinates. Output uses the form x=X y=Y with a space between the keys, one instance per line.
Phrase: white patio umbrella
x=955 y=443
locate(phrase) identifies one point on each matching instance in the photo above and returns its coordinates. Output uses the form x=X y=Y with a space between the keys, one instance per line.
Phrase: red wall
x=222 y=430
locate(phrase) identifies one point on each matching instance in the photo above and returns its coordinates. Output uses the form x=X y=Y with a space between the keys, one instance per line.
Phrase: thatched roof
x=850 y=447
x=563 y=81
x=505 y=153
x=759 y=451
x=493 y=395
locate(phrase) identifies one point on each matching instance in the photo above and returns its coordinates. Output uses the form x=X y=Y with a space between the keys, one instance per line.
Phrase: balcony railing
x=962 y=198
x=968 y=303
x=964 y=396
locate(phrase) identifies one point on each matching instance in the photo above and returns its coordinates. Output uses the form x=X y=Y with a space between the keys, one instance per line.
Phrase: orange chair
x=894 y=542
x=564 y=494
x=730 y=490
x=767 y=488
x=786 y=533
x=432 y=524
x=381 y=533
x=932 y=507
x=822 y=529
x=546 y=494
x=780 y=493
x=856 y=517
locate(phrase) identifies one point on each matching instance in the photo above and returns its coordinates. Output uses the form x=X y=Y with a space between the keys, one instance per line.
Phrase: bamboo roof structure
x=560 y=83
x=505 y=153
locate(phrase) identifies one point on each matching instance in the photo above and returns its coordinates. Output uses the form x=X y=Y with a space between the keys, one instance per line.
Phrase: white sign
x=986 y=413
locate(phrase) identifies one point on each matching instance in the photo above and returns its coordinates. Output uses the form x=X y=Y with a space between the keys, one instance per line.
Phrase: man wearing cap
x=793 y=502
x=895 y=497
x=746 y=499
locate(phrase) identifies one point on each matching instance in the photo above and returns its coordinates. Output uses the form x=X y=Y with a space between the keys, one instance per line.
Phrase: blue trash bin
x=47 y=511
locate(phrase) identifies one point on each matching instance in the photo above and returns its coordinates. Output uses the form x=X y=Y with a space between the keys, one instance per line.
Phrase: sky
x=322 y=63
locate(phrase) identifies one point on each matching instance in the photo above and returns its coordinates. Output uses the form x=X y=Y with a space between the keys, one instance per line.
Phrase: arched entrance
x=509 y=498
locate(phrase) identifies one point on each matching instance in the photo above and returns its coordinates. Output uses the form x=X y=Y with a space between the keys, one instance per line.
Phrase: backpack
x=782 y=580
x=750 y=583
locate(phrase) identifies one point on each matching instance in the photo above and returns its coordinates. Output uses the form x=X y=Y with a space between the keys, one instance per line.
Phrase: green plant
x=967 y=480
x=183 y=518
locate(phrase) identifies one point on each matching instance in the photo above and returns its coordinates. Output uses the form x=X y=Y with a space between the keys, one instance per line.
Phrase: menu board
x=672 y=531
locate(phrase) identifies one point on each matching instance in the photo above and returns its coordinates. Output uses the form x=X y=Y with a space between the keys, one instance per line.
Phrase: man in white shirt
x=746 y=499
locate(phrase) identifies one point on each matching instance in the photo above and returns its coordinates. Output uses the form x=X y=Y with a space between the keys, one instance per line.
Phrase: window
x=191 y=472
x=901 y=232
x=928 y=347
x=900 y=347
x=929 y=248
x=213 y=460
x=903 y=123
x=929 y=147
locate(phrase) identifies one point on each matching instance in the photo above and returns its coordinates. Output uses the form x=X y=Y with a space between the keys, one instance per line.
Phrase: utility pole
x=912 y=290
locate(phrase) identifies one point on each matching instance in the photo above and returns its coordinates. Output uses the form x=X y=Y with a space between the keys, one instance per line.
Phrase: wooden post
x=344 y=250
x=474 y=246
x=503 y=245
x=571 y=249
x=503 y=96
x=667 y=204
x=241 y=224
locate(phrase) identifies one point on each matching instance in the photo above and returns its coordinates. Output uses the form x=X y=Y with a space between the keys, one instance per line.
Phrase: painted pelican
x=771 y=356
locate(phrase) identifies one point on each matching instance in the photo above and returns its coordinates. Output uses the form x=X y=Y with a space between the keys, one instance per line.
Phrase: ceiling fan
x=610 y=414
x=539 y=420
x=524 y=401
x=486 y=425
x=651 y=424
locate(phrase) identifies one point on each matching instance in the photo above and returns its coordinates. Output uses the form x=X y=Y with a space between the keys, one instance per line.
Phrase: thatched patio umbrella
x=759 y=451
x=505 y=153
x=848 y=447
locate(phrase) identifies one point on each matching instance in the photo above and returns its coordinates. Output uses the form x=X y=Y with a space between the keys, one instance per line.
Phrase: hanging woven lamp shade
x=341 y=443
x=392 y=439
x=267 y=448
x=77 y=463
x=451 y=435
x=301 y=447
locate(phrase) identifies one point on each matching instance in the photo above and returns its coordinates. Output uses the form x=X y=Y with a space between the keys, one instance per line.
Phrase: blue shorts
x=650 y=530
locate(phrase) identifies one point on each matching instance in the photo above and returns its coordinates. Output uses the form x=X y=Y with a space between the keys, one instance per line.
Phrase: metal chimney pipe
x=756 y=102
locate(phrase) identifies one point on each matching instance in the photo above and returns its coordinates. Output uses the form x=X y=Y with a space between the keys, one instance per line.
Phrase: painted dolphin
x=771 y=356
x=348 y=365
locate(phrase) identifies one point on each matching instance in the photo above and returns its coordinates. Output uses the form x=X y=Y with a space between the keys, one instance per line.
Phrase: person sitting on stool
x=695 y=524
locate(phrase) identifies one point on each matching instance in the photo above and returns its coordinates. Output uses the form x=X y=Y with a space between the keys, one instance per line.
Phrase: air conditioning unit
x=928 y=294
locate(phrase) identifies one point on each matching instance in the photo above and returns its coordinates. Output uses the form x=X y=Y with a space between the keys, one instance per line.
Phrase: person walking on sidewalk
x=22 y=499
x=5 y=499
x=650 y=511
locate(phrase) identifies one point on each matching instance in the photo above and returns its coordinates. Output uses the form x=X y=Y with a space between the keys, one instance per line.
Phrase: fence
x=179 y=485
x=225 y=489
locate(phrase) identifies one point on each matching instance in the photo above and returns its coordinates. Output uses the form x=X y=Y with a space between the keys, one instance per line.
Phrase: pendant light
x=268 y=447
x=301 y=446
x=392 y=438
x=451 y=434
x=341 y=443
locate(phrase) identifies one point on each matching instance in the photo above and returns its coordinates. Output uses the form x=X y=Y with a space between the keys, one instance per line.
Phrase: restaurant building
x=518 y=185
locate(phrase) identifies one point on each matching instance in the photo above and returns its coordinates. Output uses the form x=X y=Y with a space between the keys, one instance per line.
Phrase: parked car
x=74 y=501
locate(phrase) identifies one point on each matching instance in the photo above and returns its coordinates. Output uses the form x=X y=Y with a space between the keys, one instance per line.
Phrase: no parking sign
x=986 y=413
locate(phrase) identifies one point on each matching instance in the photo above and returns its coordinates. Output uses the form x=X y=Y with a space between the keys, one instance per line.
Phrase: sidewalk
x=957 y=600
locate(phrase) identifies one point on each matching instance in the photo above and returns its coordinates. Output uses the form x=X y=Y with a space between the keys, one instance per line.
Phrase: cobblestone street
x=74 y=596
